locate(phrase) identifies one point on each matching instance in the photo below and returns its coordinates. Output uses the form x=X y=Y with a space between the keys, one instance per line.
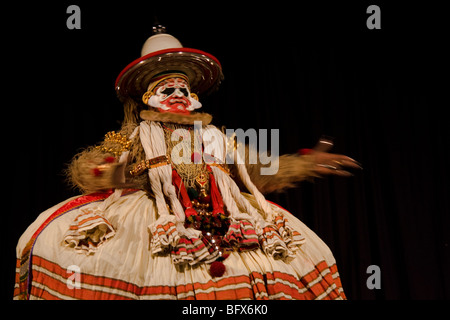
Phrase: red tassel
x=181 y=189
x=196 y=158
x=217 y=269
x=304 y=152
x=216 y=198
x=96 y=172
x=110 y=159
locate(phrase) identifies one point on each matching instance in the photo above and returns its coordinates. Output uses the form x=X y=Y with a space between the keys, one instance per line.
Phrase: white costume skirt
x=85 y=248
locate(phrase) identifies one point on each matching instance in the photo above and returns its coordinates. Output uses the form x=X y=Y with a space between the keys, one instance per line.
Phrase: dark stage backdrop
x=305 y=70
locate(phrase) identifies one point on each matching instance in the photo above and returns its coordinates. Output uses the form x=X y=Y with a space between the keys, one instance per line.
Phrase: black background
x=308 y=70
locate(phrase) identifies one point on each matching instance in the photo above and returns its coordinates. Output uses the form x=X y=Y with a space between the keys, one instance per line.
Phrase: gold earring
x=147 y=96
x=193 y=95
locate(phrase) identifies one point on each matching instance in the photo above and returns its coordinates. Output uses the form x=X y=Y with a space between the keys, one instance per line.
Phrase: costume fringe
x=88 y=232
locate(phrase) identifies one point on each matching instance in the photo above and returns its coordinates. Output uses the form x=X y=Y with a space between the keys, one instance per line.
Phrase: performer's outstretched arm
x=98 y=168
x=293 y=168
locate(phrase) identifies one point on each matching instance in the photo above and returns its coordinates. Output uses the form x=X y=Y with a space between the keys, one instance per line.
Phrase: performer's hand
x=330 y=163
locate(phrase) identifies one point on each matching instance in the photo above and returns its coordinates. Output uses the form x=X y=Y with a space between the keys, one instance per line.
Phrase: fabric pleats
x=116 y=255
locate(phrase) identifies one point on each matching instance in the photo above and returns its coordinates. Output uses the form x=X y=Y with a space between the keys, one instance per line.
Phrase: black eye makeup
x=169 y=91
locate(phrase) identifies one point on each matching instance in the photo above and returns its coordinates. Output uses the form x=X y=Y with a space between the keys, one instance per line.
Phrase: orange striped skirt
x=124 y=267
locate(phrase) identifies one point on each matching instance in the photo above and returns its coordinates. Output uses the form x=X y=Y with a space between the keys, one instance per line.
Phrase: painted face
x=173 y=95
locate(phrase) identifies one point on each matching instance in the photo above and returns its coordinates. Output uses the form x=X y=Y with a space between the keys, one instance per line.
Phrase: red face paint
x=173 y=95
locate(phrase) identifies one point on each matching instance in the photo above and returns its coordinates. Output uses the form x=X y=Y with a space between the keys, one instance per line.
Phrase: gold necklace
x=188 y=170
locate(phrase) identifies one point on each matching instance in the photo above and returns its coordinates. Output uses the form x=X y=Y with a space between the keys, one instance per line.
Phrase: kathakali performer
x=163 y=214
